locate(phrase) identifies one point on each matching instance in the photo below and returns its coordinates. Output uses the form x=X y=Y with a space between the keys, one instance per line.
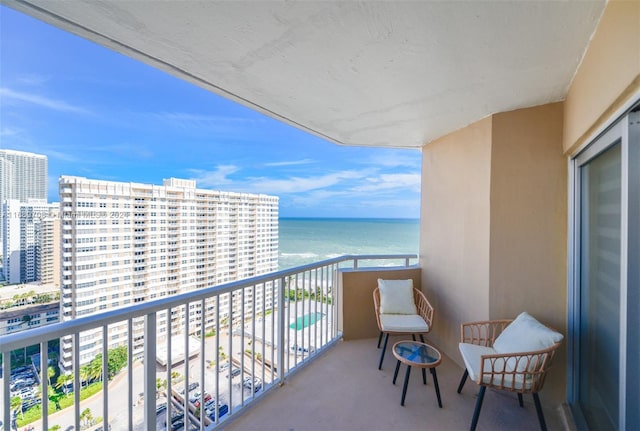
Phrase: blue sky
x=99 y=114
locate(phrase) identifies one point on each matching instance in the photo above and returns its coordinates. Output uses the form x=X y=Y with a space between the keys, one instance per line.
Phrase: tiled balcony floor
x=344 y=390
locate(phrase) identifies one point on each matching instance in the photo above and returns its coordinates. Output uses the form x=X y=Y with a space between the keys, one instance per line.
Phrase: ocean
x=307 y=240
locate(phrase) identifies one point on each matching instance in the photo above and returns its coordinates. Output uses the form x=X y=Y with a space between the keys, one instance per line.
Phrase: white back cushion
x=396 y=297
x=525 y=334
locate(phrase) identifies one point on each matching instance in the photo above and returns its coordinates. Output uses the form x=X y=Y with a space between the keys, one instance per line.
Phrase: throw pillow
x=396 y=297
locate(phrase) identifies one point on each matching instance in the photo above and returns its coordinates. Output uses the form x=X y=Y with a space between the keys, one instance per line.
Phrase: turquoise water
x=307 y=240
x=306 y=320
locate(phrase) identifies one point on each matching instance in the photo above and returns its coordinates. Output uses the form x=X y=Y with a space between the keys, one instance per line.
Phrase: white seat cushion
x=472 y=356
x=406 y=323
x=525 y=334
x=396 y=297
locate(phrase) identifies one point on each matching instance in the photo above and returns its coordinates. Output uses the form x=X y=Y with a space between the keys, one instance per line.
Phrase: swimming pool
x=306 y=320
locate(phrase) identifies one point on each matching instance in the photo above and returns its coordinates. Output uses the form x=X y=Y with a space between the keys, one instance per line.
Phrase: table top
x=416 y=354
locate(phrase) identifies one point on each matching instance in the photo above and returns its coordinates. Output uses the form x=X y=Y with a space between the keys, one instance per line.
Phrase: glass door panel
x=599 y=289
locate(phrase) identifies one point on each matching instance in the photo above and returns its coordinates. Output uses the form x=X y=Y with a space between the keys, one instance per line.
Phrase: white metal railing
x=237 y=341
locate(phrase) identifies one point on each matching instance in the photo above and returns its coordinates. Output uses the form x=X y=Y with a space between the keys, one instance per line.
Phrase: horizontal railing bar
x=33 y=336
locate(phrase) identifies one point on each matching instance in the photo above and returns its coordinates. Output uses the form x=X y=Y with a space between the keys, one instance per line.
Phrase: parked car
x=195 y=396
x=179 y=416
x=252 y=383
x=209 y=403
x=222 y=410
x=191 y=387
x=235 y=371
x=207 y=397
x=160 y=408
x=299 y=349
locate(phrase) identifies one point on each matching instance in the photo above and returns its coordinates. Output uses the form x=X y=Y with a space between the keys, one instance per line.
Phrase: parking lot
x=24 y=384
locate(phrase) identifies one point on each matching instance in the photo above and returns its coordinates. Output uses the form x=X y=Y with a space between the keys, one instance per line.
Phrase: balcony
x=322 y=304
x=340 y=389
x=344 y=390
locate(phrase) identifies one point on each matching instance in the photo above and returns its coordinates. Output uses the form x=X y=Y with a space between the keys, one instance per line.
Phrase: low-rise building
x=27 y=306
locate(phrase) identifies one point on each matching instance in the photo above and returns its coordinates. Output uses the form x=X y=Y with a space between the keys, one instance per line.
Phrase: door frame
x=618 y=128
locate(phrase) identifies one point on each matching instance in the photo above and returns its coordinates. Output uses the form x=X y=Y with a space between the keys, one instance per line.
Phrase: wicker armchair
x=398 y=324
x=520 y=372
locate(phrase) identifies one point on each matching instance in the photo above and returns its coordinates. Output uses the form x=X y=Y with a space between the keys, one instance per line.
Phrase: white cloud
x=33 y=79
x=394 y=159
x=390 y=182
x=9 y=131
x=291 y=163
x=214 y=178
x=304 y=184
x=189 y=121
x=45 y=102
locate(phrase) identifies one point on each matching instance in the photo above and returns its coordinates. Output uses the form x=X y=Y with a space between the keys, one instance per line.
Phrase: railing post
x=6 y=381
x=76 y=379
x=130 y=372
x=44 y=370
x=105 y=376
x=281 y=323
x=150 y=371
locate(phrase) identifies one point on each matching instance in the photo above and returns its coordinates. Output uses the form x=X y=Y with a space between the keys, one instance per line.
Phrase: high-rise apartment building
x=124 y=243
x=29 y=240
x=23 y=176
x=48 y=251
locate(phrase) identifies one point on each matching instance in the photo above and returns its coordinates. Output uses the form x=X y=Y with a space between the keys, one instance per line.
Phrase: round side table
x=416 y=354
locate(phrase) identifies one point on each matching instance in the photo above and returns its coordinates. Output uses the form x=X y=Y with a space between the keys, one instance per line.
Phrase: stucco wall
x=528 y=214
x=454 y=242
x=608 y=76
x=494 y=197
x=528 y=270
x=356 y=297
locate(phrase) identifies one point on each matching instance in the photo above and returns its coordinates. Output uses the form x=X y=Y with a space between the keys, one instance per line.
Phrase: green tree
x=95 y=368
x=51 y=372
x=174 y=376
x=161 y=385
x=16 y=404
x=55 y=397
x=221 y=353
x=84 y=374
x=86 y=417
x=63 y=381
x=117 y=360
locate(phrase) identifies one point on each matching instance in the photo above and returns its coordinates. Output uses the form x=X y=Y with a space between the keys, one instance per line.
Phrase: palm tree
x=84 y=374
x=63 y=381
x=51 y=372
x=95 y=368
x=86 y=416
x=55 y=397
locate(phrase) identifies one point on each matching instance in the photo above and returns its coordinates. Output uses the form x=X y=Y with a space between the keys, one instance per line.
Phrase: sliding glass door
x=604 y=290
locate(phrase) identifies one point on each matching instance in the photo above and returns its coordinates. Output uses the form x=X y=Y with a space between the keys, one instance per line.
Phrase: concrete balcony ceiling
x=396 y=74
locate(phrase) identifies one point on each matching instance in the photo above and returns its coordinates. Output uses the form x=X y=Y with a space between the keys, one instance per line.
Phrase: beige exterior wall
x=517 y=185
x=454 y=243
x=528 y=215
x=356 y=290
x=609 y=75
x=494 y=211
x=528 y=251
